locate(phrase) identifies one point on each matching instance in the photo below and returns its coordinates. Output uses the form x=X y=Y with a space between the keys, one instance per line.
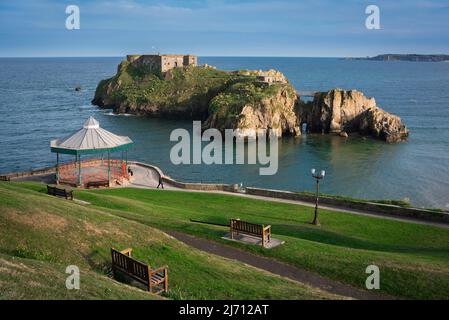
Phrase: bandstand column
x=79 y=171
x=126 y=159
x=109 y=169
x=57 y=168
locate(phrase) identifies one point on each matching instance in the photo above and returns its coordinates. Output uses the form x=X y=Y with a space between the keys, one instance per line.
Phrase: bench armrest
x=127 y=251
x=163 y=268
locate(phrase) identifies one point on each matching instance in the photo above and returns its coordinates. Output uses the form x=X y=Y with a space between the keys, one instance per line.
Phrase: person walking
x=161 y=183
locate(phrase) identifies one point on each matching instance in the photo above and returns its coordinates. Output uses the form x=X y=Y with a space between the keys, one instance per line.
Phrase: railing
x=68 y=172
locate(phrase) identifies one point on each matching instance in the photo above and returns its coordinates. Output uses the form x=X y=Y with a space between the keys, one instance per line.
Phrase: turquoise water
x=38 y=103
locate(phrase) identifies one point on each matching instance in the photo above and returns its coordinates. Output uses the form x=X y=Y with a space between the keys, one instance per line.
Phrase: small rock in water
x=78 y=88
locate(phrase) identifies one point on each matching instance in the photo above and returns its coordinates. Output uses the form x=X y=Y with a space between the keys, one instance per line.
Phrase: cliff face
x=249 y=111
x=340 y=111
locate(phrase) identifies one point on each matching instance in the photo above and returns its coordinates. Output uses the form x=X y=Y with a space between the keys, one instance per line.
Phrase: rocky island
x=173 y=86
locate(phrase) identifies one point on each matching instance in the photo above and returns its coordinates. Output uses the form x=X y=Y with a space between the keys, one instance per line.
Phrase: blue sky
x=326 y=28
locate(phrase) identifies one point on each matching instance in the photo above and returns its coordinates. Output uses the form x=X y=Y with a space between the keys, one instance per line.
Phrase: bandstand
x=92 y=140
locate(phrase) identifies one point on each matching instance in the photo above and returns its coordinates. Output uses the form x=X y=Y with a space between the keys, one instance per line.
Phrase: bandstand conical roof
x=91 y=139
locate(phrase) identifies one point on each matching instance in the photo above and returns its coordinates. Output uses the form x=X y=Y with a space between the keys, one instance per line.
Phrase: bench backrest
x=136 y=269
x=104 y=183
x=55 y=191
x=246 y=227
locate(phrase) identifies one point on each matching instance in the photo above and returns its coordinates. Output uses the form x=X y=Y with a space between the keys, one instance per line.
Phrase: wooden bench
x=97 y=184
x=257 y=230
x=59 y=192
x=142 y=273
x=4 y=178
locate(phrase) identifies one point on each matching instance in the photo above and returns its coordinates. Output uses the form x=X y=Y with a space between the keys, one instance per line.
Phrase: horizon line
x=221 y=56
x=205 y=56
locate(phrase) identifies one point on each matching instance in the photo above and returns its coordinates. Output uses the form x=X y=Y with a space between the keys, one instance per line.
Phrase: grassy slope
x=33 y=279
x=41 y=235
x=413 y=259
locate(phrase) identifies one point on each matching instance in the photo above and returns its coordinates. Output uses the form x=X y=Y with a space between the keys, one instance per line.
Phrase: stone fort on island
x=161 y=63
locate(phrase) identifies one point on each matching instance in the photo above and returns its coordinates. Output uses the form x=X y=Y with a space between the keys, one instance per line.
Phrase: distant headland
x=247 y=101
x=407 y=57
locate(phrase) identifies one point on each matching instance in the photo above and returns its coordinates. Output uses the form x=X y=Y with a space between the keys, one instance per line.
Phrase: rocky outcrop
x=275 y=111
x=339 y=111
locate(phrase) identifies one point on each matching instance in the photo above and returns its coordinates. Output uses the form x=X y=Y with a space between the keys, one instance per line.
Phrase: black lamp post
x=318 y=177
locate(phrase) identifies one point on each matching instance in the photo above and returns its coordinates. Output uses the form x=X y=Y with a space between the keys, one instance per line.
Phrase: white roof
x=91 y=137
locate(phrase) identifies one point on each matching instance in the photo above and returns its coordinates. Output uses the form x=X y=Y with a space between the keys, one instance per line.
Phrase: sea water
x=38 y=103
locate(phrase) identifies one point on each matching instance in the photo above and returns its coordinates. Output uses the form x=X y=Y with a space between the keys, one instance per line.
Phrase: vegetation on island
x=412 y=258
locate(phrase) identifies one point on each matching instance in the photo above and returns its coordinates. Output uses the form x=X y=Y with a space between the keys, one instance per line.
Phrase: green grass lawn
x=41 y=235
x=413 y=259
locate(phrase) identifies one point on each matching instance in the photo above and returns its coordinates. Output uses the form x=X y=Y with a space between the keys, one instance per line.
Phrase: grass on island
x=413 y=259
x=41 y=235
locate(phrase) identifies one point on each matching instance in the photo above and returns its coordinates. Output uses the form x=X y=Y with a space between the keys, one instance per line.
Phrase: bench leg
x=263 y=239
x=149 y=279
x=232 y=231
